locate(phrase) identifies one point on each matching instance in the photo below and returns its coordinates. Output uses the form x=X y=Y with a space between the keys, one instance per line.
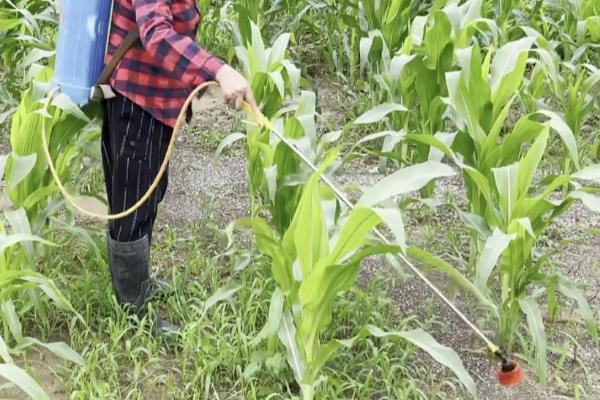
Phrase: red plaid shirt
x=160 y=75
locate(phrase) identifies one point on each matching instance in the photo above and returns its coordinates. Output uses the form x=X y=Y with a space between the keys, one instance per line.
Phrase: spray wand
x=510 y=372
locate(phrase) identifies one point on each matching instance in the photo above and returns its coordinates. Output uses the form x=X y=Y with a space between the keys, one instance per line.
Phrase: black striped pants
x=134 y=145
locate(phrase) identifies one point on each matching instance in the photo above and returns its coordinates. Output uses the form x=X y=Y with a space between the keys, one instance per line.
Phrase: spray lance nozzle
x=510 y=372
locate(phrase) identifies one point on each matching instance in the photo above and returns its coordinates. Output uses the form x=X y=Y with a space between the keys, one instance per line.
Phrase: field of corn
x=466 y=132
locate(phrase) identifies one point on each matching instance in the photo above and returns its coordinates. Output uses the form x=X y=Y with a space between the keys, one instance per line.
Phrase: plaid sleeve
x=181 y=55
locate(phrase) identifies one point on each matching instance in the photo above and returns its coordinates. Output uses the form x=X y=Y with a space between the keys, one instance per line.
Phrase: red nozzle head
x=511 y=374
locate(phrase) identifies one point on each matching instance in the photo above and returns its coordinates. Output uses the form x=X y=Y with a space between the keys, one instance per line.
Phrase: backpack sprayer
x=81 y=74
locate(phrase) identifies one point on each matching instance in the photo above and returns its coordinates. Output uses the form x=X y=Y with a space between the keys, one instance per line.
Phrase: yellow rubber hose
x=181 y=119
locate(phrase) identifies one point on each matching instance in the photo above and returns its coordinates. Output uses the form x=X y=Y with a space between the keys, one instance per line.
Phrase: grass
x=213 y=359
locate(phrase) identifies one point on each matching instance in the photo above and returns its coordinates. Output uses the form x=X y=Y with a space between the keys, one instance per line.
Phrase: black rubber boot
x=129 y=264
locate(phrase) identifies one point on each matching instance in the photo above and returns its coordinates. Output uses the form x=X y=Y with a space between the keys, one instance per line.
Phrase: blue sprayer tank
x=83 y=38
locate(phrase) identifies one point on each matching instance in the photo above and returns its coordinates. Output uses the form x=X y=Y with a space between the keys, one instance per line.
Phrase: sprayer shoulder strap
x=129 y=41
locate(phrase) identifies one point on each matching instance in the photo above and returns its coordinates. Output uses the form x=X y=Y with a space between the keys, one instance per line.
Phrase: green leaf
x=536 y=328
x=564 y=131
x=589 y=173
x=475 y=222
x=3 y=161
x=442 y=354
x=309 y=228
x=469 y=94
x=23 y=380
x=4 y=352
x=274 y=320
x=507 y=179
x=494 y=246
x=589 y=200
x=277 y=51
x=446 y=139
x=568 y=289
x=325 y=353
x=64 y=102
x=529 y=163
x=507 y=71
x=222 y=294
x=49 y=289
x=19 y=222
x=392 y=217
x=378 y=113
x=405 y=181
x=287 y=336
x=396 y=136
x=21 y=167
x=60 y=349
x=270 y=246
x=457 y=277
x=10 y=317
x=228 y=141
x=354 y=232
x=318 y=292
x=523 y=132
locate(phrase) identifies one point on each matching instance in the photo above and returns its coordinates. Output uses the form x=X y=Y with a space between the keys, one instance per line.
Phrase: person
x=150 y=85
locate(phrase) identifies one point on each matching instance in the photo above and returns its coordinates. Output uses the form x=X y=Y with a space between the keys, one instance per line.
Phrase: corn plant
x=30 y=185
x=509 y=208
x=275 y=80
x=564 y=85
x=573 y=24
x=361 y=32
x=35 y=203
x=415 y=80
x=317 y=258
x=15 y=281
x=25 y=38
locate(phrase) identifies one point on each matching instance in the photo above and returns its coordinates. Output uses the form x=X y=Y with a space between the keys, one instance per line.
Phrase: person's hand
x=235 y=88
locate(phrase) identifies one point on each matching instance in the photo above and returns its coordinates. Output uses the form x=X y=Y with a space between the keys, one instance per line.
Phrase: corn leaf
x=7 y=241
x=4 y=352
x=392 y=217
x=21 y=167
x=378 y=113
x=529 y=163
x=276 y=53
x=287 y=336
x=309 y=228
x=451 y=272
x=589 y=173
x=228 y=141
x=23 y=380
x=270 y=246
x=589 y=200
x=20 y=224
x=507 y=179
x=354 y=233
x=494 y=246
x=564 y=131
x=442 y=354
x=507 y=70
x=404 y=181
x=50 y=290
x=274 y=319
x=10 y=317
x=535 y=323
x=222 y=294
x=568 y=289
x=60 y=349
